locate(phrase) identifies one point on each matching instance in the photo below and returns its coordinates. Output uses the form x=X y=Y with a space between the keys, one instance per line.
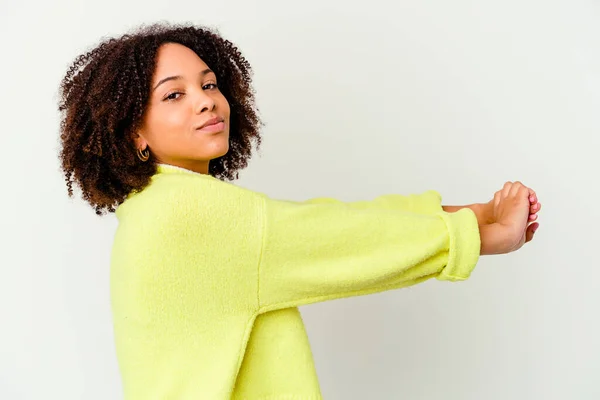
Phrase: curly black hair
x=104 y=95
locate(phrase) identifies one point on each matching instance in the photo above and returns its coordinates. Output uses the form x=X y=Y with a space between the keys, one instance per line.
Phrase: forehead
x=176 y=59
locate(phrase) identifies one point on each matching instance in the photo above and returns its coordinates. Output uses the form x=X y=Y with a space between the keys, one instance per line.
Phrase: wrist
x=486 y=234
x=492 y=237
x=484 y=212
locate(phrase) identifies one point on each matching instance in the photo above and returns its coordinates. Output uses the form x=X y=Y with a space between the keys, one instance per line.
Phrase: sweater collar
x=167 y=168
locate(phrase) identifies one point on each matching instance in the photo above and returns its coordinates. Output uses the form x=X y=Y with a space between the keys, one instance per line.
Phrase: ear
x=139 y=141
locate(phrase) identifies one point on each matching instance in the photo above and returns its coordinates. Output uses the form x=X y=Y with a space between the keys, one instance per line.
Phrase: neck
x=199 y=167
x=193 y=167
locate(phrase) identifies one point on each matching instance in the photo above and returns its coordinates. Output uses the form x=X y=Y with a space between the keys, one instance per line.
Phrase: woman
x=206 y=277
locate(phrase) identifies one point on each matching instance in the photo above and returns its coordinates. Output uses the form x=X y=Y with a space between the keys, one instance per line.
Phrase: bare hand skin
x=514 y=208
x=507 y=221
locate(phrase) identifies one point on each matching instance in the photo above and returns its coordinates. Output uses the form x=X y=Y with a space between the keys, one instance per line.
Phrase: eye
x=172 y=96
x=210 y=86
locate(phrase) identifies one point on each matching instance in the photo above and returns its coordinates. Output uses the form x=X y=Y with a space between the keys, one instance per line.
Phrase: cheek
x=174 y=119
x=168 y=122
x=224 y=106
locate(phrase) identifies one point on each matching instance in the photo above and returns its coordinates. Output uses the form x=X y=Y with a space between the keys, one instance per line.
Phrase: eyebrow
x=176 y=77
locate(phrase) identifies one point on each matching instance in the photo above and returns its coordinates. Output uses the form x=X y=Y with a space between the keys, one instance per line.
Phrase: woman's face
x=186 y=122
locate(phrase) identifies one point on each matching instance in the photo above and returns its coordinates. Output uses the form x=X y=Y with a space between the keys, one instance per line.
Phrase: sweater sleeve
x=323 y=250
x=428 y=202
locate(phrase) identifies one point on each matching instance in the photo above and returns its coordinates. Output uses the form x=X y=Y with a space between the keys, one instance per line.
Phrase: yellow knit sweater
x=206 y=278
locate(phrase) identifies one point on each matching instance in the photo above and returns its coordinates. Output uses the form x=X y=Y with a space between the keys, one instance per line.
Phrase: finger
x=506 y=189
x=533 y=217
x=497 y=198
x=516 y=188
x=532 y=196
x=531 y=231
x=535 y=208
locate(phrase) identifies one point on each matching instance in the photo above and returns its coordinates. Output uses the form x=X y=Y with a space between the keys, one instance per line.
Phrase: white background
x=360 y=99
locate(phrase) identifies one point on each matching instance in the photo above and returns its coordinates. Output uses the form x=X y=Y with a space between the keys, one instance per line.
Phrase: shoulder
x=179 y=193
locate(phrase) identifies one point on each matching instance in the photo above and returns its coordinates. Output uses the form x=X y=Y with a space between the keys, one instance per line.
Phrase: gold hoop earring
x=143 y=155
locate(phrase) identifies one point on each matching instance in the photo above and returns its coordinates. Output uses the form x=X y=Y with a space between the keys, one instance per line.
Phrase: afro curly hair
x=103 y=98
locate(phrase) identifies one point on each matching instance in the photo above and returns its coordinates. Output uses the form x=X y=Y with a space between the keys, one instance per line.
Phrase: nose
x=204 y=103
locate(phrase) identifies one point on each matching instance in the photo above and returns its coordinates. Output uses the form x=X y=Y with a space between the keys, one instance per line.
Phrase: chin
x=221 y=150
x=216 y=147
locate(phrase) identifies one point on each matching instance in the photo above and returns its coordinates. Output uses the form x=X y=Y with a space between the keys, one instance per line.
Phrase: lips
x=210 y=122
x=213 y=125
